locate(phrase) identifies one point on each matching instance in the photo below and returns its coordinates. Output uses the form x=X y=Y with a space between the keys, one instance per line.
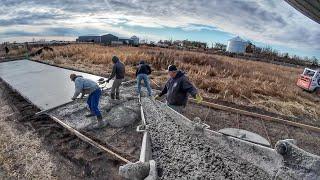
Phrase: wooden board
x=252 y=114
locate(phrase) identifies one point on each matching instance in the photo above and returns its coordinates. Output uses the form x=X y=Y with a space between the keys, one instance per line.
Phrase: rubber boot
x=100 y=123
x=90 y=115
x=117 y=96
x=112 y=96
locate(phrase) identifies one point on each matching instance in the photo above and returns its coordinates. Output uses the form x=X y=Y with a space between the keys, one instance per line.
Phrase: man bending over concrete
x=87 y=86
x=177 y=88
x=118 y=71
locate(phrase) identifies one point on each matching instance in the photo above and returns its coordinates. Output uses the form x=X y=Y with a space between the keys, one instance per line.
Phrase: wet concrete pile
x=184 y=149
x=180 y=153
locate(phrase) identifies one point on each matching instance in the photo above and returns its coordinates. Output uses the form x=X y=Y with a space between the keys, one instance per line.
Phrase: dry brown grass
x=264 y=85
x=14 y=52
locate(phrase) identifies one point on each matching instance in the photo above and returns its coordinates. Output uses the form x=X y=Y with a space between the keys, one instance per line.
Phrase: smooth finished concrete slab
x=43 y=85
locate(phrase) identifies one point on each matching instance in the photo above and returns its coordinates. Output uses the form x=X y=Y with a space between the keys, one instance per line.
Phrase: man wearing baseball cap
x=177 y=89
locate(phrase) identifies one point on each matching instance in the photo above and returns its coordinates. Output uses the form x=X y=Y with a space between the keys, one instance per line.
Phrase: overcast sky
x=265 y=22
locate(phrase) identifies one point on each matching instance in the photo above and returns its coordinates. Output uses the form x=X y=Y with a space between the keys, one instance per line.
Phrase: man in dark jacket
x=142 y=73
x=177 y=89
x=118 y=71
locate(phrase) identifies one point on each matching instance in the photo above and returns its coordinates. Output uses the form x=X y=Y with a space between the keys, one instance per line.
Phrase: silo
x=135 y=40
x=237 y=45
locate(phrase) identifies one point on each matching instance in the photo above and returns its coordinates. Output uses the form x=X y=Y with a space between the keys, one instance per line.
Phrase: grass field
x=263 y=85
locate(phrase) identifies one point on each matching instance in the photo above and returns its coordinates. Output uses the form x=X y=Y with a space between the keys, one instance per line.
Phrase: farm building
x=126 y=41
x=109 y=39
x=237 y=45
x=95 y=39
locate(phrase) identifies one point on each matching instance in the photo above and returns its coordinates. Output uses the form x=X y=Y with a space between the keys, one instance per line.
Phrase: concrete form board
x=43 y=85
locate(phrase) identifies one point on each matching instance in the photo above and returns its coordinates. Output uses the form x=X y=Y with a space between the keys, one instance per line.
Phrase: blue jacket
x=84 y=86
x=177 y=90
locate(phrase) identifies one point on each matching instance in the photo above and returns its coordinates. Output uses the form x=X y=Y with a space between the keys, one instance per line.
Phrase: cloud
x=271 y=22
x=28 y=18
x=17 y=33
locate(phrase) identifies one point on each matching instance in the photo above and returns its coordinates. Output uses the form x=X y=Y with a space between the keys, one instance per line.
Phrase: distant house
x=178 y=43
x=193 y=44
x=95 y=39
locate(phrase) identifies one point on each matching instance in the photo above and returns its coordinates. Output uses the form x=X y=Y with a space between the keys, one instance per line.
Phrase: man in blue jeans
x=87 y=86
x=142 y=73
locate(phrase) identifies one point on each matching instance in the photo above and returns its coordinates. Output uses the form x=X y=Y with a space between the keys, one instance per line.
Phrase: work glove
x=101 y=81
x=198 y=98
x=157 y=97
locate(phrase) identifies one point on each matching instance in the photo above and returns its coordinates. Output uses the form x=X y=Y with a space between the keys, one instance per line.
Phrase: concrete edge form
x=146 y=167
x=89 y=140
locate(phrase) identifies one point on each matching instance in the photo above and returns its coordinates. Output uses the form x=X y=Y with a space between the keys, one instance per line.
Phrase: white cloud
x=271 y=22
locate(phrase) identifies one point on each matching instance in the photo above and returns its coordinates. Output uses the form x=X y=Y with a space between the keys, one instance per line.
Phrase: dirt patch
x=21 y=154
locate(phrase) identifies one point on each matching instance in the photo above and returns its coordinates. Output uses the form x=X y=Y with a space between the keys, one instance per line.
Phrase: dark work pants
x=115 y=88
x=93 y=102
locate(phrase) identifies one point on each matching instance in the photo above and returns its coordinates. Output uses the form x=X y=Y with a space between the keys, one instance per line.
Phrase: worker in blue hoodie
x=177 y=89
x=87 y=86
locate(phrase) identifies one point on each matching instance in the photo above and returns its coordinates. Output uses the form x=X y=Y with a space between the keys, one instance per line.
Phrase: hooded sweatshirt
x=118 y=69
x=177 y=90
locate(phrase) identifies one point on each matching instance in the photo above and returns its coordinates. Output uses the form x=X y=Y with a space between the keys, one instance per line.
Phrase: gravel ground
x=117 y=113
x=181 y=155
